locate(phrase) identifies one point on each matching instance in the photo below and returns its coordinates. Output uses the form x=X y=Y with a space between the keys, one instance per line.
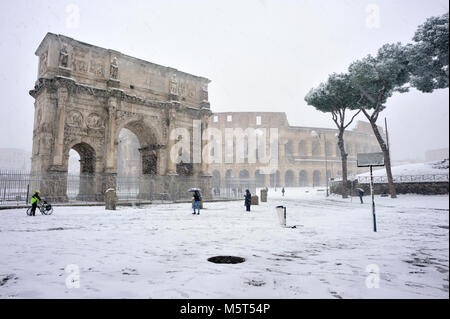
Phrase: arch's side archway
x=87 y=182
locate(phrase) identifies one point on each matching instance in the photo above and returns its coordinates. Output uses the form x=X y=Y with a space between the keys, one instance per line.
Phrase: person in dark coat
x=282 y=191
x=34 y=202
x=197 y=199
x=248 y=199
x=361 y=194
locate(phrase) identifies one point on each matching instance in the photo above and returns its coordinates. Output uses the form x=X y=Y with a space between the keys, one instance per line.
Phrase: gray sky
x=260 y=55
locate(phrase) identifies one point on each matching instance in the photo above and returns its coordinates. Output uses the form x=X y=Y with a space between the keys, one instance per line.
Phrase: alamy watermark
x=73 y=17
x=373 y=279
x=73 y=278
x=373 y=17
x=235 y=145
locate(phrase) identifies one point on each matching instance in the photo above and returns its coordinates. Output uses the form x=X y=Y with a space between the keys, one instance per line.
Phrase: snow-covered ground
x=161 y=251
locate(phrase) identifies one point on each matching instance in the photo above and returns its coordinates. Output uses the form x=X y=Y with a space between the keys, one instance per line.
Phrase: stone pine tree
x=338 y=97
x=429 y=55
x=377 y=78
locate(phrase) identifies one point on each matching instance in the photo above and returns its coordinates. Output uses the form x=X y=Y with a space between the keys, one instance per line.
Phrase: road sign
x=370 y=159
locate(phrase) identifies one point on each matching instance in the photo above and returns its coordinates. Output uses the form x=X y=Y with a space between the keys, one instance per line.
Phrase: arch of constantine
x=85 y=95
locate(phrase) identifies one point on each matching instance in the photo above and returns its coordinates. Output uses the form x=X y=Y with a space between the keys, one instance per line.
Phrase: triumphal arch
x=85 y=95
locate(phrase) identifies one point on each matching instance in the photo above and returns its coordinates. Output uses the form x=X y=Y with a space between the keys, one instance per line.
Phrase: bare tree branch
x=353 y=117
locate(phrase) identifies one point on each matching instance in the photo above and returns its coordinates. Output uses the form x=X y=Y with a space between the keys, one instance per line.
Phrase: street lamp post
x=318 y=135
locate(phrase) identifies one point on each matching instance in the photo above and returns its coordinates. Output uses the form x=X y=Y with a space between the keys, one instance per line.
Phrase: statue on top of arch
x=114 y=69
x=64 y=57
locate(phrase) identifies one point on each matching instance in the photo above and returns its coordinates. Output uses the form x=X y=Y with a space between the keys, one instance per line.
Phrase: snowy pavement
x=161 y=251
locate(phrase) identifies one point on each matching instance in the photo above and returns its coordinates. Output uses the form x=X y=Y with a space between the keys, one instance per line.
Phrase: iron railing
x=428 y=178
x=16 y=187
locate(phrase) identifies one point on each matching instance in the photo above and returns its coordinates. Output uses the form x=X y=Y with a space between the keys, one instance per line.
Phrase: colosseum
x=307 y=155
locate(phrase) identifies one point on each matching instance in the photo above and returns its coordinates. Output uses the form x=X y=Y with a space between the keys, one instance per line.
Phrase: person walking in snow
x=34 y=202
x=248 y=199
x=361 y=194
x=197 y=199
x=282 y=191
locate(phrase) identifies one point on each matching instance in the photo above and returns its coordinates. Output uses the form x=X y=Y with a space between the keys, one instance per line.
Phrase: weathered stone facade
x=85 y=95
x=301 y=155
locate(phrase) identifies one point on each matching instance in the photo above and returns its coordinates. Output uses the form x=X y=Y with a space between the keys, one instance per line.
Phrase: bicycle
x=45 y=209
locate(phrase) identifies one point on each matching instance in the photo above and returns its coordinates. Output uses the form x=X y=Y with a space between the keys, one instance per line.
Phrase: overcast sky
x=260 y=55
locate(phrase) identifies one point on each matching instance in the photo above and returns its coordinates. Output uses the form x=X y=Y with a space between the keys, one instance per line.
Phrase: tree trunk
x=344 y=163
x=387 y=159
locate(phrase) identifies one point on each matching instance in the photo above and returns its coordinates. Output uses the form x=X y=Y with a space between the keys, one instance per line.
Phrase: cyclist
x=34 y=201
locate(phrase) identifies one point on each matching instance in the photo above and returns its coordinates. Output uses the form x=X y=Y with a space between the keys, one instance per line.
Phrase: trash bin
x=255 y=200
x=281 y=211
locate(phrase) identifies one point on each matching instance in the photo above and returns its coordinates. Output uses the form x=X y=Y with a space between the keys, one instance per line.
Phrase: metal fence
x=16 y=187
x=430 y=178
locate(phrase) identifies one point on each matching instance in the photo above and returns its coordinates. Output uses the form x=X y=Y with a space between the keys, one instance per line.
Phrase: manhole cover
x=226 y=260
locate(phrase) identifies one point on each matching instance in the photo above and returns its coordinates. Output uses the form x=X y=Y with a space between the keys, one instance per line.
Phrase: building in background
x=301 y=160
x=436 y=155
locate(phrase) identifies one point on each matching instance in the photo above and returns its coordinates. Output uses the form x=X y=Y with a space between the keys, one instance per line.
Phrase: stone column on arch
x=62 y=97
x=171 y=164
x=111 y=161
x=54 y=173
x=109 y=177
x=205 y=163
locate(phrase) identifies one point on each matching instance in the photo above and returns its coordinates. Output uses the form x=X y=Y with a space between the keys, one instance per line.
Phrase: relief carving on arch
x=95 y=121
x=43 y=62
x=75 y=119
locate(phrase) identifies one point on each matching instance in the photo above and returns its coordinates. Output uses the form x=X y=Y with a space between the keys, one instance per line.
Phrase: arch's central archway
x=83 y=101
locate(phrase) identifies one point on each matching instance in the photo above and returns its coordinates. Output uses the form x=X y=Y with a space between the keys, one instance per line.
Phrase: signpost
x=370 y=160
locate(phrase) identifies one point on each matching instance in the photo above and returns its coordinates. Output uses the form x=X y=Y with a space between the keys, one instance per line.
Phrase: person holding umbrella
x=361 y=194
x=197 y=199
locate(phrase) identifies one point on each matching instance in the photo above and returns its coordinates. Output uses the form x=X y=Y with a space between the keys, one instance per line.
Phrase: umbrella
x=194 y=189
